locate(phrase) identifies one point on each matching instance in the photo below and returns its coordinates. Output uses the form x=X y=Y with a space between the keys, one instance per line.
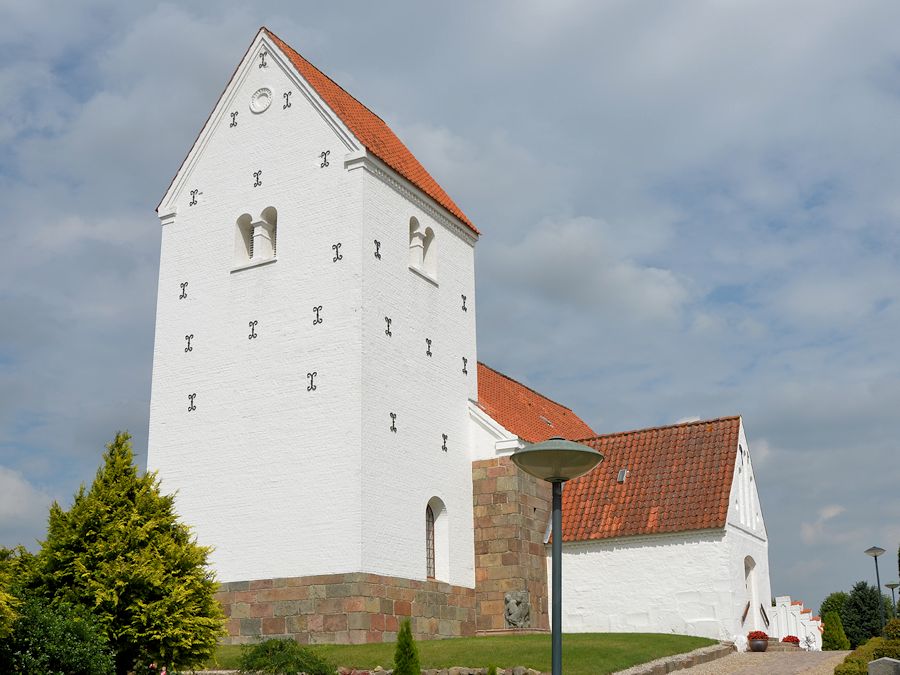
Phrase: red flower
x=757 y=635
x=793 y=639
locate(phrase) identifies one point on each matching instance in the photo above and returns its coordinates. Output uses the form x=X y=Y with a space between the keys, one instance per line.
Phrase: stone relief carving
x=517 y=609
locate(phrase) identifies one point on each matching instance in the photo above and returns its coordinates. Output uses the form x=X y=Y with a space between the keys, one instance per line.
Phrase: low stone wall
x=345 y=609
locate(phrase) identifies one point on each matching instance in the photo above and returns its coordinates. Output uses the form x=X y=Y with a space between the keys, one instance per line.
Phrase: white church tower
x=315 y=343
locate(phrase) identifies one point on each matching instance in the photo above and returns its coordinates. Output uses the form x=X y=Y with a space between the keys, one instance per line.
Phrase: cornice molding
x=362 y=159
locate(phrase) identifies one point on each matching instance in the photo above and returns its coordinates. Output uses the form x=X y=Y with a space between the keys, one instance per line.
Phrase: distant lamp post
x=876 y=551
x=892 y=586
x=556 y=461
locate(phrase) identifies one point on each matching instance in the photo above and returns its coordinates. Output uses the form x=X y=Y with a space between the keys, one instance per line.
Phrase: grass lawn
x=583 y=653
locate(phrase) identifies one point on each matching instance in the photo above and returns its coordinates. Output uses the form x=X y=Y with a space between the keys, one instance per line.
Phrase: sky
x=689 y=210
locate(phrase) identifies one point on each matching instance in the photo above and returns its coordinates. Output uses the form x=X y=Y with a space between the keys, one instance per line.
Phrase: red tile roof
x=526 y=413
x=679 y=478
x=371 y=130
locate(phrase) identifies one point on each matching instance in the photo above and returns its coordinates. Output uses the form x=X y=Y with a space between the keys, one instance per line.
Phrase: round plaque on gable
x=261 y=100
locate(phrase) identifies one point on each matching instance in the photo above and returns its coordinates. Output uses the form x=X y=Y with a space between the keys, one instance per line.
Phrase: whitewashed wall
x=793 y=619
x=403 y=470
x=663 y=584
x=284 y=481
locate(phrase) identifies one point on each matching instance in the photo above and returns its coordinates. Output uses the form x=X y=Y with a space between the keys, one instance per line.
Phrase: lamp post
x=556 y=461
x=876 y=551
x=892 y=586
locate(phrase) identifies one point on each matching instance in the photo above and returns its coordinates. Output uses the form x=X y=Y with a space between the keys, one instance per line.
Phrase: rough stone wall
x=512 y=510
x=345 y=609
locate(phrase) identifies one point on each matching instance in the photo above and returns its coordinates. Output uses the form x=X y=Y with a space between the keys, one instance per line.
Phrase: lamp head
x=556 y=460
x=892 y=585
x=874 y=551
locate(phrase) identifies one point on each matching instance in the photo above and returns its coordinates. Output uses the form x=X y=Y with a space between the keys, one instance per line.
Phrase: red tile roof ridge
x=662 y=427
x=525 y=386
x=403 y=161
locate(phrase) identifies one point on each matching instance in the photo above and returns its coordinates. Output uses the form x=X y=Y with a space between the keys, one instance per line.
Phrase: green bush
x=849 y=669
x=857 y=661
x=892 y=630
x=492 y=670
x=55 y=641
x=889 y=649
x=283 y=656
x=406 y=656
x=833 y=637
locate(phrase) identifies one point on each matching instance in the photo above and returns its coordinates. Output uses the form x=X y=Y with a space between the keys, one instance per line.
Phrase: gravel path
x=771 y=663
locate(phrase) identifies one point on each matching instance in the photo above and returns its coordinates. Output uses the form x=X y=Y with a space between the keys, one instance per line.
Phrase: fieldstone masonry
x=512 y=510
x=345 y=609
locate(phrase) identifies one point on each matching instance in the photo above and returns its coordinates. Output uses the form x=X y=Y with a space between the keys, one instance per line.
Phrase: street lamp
x=892 y=586
x=876 y=551
x=556 y=461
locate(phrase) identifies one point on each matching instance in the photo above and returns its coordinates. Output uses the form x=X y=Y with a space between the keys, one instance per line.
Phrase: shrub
x=890 y=649
x=757 y=635
x=55 y=641
x=857 y=661
x=833 y=637
x=121 y=552
x=892 y=630
x=492 y=670
x=406 y=656
x=283 y=656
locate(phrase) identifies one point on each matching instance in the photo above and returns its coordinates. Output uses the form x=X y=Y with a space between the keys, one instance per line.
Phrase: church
x=320 y=412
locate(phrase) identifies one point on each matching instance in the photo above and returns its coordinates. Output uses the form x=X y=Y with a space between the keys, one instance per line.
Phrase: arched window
x=437 y=540
x=429 y=254
x=254 y=240
x=422 y=249
x=429 y=542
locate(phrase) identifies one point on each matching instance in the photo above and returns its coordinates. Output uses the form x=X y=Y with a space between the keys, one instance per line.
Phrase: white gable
x=744 y=510
x=264 y=67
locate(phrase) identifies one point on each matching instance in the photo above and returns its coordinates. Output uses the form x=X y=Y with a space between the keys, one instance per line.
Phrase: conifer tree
x=406 y=656
x=8 y=604
x=120 y=552
x=833 y=637
x=859 y=615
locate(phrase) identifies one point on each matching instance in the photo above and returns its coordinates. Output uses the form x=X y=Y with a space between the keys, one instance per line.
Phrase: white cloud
x=815 y=531
x=23 y=507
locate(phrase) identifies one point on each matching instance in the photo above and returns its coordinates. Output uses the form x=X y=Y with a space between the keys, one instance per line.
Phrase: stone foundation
x=345 y=609
x=512 y=510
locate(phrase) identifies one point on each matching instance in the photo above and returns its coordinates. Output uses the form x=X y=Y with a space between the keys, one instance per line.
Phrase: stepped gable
x=371 y=130
x=526 y=413
x=679 y=479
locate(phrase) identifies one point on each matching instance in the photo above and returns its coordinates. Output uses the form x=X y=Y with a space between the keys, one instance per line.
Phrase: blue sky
x=689 y=210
